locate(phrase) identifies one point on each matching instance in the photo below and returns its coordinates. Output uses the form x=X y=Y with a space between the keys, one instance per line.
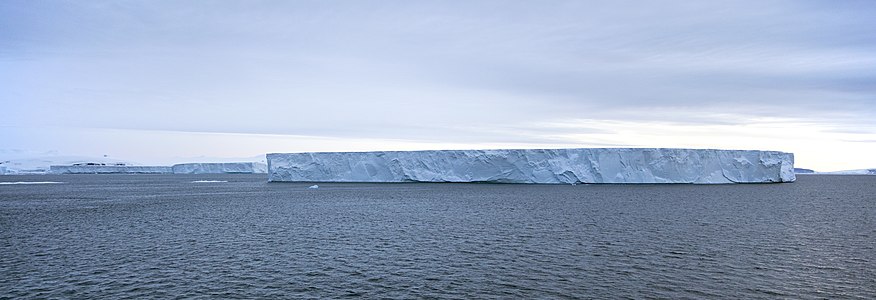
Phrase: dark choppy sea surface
x=165 y=236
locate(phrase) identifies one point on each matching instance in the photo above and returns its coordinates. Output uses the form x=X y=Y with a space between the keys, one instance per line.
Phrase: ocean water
x=237 y=236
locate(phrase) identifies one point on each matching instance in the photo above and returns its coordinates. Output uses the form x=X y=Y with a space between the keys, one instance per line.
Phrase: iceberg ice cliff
x=556 y=166
x=220 y=168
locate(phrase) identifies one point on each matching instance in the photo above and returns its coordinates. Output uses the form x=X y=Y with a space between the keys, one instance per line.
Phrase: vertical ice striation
x=584 y=165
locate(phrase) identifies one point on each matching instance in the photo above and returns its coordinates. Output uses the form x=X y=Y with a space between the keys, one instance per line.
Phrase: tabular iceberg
x=220 y=168
x=552 y=166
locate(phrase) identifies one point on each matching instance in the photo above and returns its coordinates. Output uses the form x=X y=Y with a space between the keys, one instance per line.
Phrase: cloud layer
x=463 y=73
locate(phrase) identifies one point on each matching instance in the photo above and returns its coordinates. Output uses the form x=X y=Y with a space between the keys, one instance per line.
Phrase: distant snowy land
x=42 y=164
x=17 y=162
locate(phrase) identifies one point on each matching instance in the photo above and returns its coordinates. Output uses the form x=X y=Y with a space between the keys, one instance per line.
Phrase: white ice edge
x=209 y=181
x=30 y=182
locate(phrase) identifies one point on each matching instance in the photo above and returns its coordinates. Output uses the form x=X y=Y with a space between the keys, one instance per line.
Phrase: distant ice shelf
x=220 y=168
x=550 y=166
x=852 y=172
x=187 y=168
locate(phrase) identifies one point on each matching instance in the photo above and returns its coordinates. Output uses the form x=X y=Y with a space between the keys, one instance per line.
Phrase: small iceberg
x=313 y=187
x=209 y=181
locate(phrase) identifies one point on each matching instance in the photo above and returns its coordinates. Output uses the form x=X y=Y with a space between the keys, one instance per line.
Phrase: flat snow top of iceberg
x=527 y=150
x=30 y=182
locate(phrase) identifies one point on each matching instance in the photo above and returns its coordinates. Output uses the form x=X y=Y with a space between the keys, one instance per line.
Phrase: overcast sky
x=157 y=81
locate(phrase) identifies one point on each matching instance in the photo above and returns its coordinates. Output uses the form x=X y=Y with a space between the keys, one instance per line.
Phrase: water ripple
x=128 y=237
